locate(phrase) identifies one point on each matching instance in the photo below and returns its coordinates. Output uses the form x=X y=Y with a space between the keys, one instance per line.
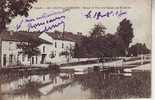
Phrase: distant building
x=52 y=45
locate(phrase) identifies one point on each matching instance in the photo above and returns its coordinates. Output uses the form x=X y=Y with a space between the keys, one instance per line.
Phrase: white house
x=52 y=46
x=10 y=53
x=61 y=43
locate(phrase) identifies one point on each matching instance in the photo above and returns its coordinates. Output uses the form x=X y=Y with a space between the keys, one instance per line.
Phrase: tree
x=99 y=44
x=66 y=54
x=138 y=48
x=77 y=53
x=11 y=8
x=98 y=30
x=125 y=31
x=52 y=55
x=30 y=49
x=117 y=44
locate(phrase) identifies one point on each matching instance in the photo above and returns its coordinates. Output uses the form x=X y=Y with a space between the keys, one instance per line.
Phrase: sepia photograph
x=75 y=49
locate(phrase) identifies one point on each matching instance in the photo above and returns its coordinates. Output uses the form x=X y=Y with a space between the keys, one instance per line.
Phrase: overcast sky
x=75 y=21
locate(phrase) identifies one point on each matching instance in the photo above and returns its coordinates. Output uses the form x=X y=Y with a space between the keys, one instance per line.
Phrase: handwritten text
x=104 y=14
x=43 y=23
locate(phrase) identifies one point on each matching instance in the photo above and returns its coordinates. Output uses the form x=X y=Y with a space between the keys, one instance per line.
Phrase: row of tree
x=137 y=49
x=100 y=44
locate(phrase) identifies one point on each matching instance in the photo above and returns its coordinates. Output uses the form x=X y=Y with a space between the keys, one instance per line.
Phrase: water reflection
x=92 y=85
x=111 y=85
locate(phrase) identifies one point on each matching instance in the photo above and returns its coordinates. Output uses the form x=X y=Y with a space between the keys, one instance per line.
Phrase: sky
x=138 y=13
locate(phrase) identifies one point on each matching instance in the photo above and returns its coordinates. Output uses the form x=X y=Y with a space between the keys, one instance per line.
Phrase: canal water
x=69 y=85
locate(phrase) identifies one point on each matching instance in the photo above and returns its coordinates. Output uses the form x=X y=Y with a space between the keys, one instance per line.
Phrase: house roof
x=25 y=36
x=68 y=36
x=22 y=36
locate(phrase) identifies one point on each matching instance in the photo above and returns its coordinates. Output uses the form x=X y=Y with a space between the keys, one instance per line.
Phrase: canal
x=75 y=85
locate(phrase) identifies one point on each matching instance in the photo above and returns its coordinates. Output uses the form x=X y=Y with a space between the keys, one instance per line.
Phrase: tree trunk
x=2 y=24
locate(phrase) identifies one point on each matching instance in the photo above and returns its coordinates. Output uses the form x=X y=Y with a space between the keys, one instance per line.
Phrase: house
x=9 y=52
x=55 y=47
x=62 y=42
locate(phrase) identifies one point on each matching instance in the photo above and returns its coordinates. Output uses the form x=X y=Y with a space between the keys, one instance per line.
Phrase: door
x=4 y=60
x=43 y=58
x=32 y=60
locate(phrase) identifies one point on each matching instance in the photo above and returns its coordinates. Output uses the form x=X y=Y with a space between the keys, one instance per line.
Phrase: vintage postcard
x=75 y=49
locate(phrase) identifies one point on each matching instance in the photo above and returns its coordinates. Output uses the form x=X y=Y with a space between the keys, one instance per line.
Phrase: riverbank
x=131 y=63
x=145 y=67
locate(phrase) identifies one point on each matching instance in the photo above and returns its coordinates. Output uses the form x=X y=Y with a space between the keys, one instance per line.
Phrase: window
x=4 y=60
x=32 y=60
x=70 y=45
x=55 y=44
x=10 y=58
x=36 y=59
x=11 y=46
x=55 y=53
x=67 y=47
x=23 y=57
x=62 y=45
x=43 y=49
